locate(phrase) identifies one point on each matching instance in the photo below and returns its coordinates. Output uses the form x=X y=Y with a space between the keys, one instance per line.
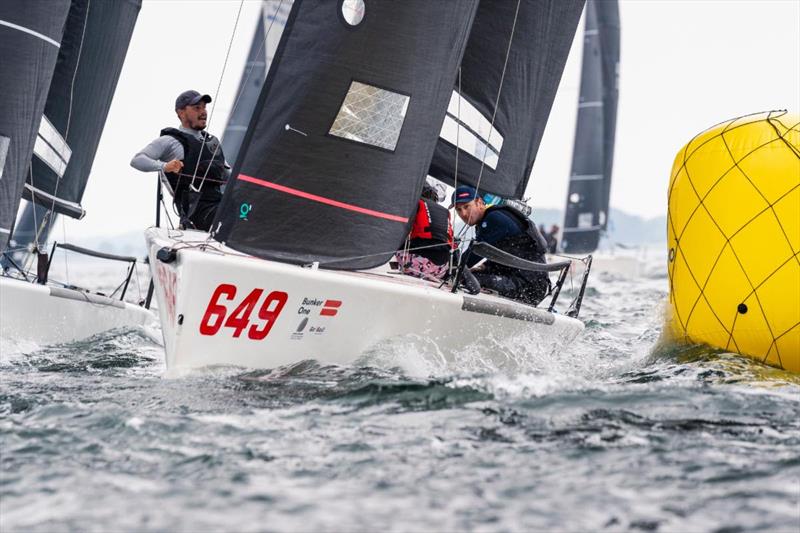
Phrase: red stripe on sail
x=333 y=303
x=321 y=199
x=328 y=312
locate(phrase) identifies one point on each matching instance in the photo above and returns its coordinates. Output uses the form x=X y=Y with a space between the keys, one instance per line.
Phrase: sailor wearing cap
x=507 y=229
x=189 y=155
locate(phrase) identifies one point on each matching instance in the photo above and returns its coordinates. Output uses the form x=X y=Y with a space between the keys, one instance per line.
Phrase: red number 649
x=239 y=319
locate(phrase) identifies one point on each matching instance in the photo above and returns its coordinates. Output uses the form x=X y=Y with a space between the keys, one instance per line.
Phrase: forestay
x=30 y=35
x=266 y=37
x=517 y=51
x=335 y=157
x=95 y=42
x=586 y=214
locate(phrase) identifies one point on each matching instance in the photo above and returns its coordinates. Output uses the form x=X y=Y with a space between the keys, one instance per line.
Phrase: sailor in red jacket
x=430 y=242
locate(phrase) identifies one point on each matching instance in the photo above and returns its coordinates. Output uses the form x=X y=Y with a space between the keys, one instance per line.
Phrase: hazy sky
x=686 y=65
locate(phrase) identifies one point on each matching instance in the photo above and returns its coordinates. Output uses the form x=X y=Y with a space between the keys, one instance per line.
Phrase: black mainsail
x=269 y=29
x=89 y=64
x=30 y=36
x=339 y=146
x=508 y=80
x=586 y=213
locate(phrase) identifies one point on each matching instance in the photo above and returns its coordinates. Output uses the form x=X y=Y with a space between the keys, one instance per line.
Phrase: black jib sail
x=336 y=154
x=92 y=52
x=30 y=36
x=586 y=213
x=269 y=29
x=509 y=77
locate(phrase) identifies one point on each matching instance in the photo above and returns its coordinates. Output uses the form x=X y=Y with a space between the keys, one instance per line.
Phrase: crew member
x=552 y=238
x=192 y=161
x=507 y=229
x=427 y=254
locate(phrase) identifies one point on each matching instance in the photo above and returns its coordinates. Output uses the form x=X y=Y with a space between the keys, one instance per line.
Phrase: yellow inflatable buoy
x=733 y=233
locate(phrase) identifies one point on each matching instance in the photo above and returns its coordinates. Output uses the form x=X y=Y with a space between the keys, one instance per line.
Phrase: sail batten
x=344 y=131
x=509 y=76
x=586 y=213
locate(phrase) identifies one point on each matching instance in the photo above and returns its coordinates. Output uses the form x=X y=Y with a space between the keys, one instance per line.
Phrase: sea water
x=616 y=433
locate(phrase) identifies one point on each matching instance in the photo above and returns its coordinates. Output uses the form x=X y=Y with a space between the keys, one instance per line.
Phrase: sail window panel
x=457 y=135
x=466 y=127
x=50 y=134
x=466 y=113
x=4 y=143
x=371 y=115
x=46 y=153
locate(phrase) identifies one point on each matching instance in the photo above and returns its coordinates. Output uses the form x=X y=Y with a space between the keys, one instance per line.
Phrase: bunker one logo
x=315 y=307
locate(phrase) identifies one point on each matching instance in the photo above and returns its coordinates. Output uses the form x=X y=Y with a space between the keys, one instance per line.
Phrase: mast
x=586 y=213
x=500 y=104
x=30 y=37
x=269 y=28
x=336 y=154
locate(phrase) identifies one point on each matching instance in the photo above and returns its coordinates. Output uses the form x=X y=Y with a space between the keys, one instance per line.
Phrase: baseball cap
x=463 y=194
x=190 y=98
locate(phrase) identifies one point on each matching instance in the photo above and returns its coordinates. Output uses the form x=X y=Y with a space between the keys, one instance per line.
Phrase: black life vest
x=530 y=245
x=199 y=159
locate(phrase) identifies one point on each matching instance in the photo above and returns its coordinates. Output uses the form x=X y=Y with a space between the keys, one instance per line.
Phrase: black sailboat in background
x=55 y=170
x=96 y=38
x=586 y=213
x=329 y=176
x=30 y=37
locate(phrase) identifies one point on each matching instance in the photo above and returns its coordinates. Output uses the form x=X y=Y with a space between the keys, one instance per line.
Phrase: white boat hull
x=220 y=307
x=46 y=314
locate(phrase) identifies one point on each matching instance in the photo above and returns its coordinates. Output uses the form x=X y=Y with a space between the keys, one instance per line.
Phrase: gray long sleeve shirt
x=161 y=151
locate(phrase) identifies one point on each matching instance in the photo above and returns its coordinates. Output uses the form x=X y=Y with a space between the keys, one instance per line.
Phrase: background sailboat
x=95 y=41
x=30 y=38
x=586 y=213
x=89 y=64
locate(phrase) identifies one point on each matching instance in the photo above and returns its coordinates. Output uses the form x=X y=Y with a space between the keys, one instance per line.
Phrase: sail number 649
x=216 y=315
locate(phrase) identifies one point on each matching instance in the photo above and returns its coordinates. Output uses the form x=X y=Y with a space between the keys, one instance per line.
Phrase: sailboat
x=587 y=204
x=65 y=100
x=363 y=101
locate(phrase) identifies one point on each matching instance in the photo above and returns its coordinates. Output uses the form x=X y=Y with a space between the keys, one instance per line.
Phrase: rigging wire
x=214 y=107
x=239 y=95
x=499 y=92
x=494 y=115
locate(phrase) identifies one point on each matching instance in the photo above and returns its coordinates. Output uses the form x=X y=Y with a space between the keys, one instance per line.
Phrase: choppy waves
x=620 y=433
